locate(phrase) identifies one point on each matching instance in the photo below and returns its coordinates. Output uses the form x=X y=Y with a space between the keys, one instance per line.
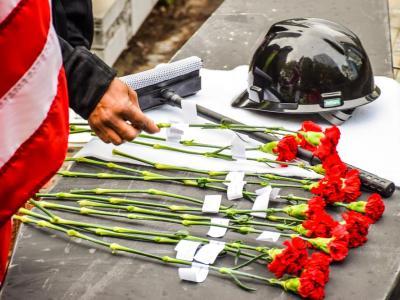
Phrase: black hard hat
x=309 y=65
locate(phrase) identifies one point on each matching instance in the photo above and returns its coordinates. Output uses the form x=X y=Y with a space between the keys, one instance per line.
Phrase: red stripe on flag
x=5 y=244
x=23 y=35
x=37 y=160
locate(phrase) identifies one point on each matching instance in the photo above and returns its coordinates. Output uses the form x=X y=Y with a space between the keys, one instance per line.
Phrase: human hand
x=119 y=105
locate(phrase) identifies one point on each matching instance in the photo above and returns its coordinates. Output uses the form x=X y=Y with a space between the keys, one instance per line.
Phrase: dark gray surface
x=50 y=266
x=231 y=35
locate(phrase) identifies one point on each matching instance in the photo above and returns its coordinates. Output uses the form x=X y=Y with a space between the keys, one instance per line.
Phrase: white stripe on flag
x=25 y=106
x=6 y=7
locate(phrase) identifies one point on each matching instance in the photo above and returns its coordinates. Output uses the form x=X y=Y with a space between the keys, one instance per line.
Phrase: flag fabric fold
x=33 y=107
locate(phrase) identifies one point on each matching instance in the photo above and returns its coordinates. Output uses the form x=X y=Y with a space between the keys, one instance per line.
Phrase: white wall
x=116 y=21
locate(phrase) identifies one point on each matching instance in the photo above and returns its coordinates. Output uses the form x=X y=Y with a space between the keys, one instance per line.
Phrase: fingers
x=134 y=114
x=117 y=106
x=106 y=134
x=126 y=131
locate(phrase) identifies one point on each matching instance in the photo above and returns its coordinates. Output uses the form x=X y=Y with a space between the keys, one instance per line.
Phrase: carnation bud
x=292 y=285
x=312 y=137
x=269 y=147
x=297 y=211
x=300 y=230
x=321 y=243
x=318 y=169
x=273 y=252
x=358 y=206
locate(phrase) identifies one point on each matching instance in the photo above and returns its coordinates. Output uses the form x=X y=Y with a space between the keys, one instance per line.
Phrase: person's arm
x=88 y=78
x=97 y=95
x=94 y=91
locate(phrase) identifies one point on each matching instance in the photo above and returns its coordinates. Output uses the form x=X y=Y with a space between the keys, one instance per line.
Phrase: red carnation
x=290 y=260
x=312 y=284
x=286 y=148
x=305 y=211
x=336 y=246
x=351 y=185
x=328 y=143
x=307 y=286
x=319 y=262
x=329 y=188
x=357 y=226
x=312 y=281
x=334 y=166
x=310 y=126
x=315 y=205
x=339 y=189
x=320 y=225
x=375 y=207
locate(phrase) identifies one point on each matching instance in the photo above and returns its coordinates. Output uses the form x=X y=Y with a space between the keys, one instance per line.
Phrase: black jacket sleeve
x=88 y=77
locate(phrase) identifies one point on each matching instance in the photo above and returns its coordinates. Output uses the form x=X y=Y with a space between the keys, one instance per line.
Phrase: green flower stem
x=139 y=210
x=215 y=154
x=211 y=173
x=112 y=246
x=66 y=222
x=236 y=126
x=112 y=200
x=219 y=155
x=79 y=131
x=99 y=191
x=199 y=182
x=186 y=220
x=272 y=161
x=149 y=176
x=163 y=240
x=340 y=204
x=267 y=183
x=141 y=235
x=82 y=194
x=284 y=178
x=189 y=143
x=38 y=206
x=160 y=166
x=232 y=273
x=179 y=235
x=230 y=212
x=112 y=166
x=292 y=197
x=134 y=209
x=178 y=208
x=192 y=181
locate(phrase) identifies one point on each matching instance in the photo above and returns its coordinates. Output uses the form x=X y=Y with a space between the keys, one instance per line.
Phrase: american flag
x=33 y=107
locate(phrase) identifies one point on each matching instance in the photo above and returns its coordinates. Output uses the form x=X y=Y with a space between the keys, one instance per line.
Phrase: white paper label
x=217 y=231
x=269 y=236
x=211 y=203
x=189 y=110
x=235 y=190
x=175 y=132
x=209 y=252
x=196 y=273
x=186 y=249
x=238 y=148
x=261 y=202
x=234 y=176
x=274 y=193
